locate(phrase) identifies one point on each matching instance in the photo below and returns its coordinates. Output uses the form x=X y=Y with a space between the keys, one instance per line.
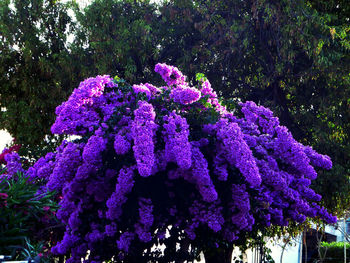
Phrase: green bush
x=25 y=217
x=335 y=252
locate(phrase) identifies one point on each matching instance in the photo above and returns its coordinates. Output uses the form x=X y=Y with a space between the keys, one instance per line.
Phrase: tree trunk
x=219 y=255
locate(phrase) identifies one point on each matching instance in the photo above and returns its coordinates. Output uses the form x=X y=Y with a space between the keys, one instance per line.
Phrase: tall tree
x=36 y=70
x=116 y=37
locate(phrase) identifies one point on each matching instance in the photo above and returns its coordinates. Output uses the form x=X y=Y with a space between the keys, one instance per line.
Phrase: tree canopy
x=292 y=56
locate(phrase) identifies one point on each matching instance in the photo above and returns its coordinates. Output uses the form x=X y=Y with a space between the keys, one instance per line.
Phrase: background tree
x=292 y=56
x=286 y=55
x=36 y=69
x=117 y=37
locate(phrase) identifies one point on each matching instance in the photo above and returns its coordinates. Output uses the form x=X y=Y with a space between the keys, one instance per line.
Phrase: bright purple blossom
x=66 y=165
x=212 y=171
x=237 y=151
x=185 y=95
x=177 y=146
x=201 y=176
x=78 y=115
x=13 y=164
x=171 y=75
x=142 y=89
x=142 y=228
x=121 y=144
x=143 y=131
x=118 y=198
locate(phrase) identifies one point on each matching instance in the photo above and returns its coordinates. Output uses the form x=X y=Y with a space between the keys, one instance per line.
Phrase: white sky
x=5 y=138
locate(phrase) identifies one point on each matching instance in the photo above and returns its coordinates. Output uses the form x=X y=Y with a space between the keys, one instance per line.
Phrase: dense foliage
x=291 y=56
x=26 y=212
x=36 y=69
x=170 y=165
x=334 y=252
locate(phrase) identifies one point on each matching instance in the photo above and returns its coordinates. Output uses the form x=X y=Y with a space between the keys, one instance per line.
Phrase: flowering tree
x=171 y=166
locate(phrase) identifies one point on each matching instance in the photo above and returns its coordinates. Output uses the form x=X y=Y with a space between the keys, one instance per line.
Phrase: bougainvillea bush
x=171 y=166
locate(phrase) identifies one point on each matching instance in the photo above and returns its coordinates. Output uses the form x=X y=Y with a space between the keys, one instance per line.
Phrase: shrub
x=334 y=251
x=171 y=166
x=26 y=211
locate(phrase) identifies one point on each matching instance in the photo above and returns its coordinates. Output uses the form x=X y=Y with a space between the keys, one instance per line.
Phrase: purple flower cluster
x=121 y=144
x=43 y=168
x=143 y=131
x=66 y=165
x=184 y=94
x=170 y=74
x=118 y=198
x=147 y=167
x=201 y=176
x=210 y=215
x=142 y=89
x=79 y=114
x=237 y=151
x=142 y=228
x=207 y=90
x=13 y=164
x=125 y=240
x=240 y=208
x=177 y=146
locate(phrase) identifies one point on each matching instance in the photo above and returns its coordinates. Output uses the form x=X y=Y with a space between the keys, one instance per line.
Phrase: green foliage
x=36 y=70
x=24 y=216
x=290 y=56
x=334 y=252
x=116 y=37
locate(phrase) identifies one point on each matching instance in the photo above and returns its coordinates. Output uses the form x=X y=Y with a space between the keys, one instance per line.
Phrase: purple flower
x=125 y=241
x=171 y=75
x=111 y=229
x=92 y=153
x=177 y=146
x=185 y=95
x=143 y=132
x=211 y=216
x=241 y=208
x=142 y=89
x=13 y=164
x=118 y=198
x=201 y=176
x=317 y=159
x=66 y=165
x=142 y=228
x=121 y=144
x=237 y=151
x=43 y=168
x=78 y=115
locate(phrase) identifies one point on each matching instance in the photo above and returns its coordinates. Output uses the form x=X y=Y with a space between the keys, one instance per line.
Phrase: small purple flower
x=237 y=151
x=125 y=241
